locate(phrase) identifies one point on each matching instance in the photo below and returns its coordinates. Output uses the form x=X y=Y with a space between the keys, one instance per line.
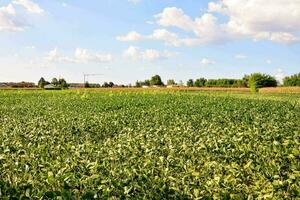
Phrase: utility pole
x=86 y=77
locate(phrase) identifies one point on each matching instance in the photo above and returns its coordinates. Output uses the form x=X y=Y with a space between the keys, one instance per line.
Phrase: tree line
x=253 y=81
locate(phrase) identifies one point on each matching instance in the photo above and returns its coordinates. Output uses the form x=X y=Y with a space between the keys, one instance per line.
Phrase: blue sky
x=129 y=40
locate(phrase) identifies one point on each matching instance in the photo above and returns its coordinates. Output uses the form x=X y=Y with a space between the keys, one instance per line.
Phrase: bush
x=190 y=83
x=258 y=80
x=156 y=80
x=200 y=82
x=225 y=83
x=293 y=80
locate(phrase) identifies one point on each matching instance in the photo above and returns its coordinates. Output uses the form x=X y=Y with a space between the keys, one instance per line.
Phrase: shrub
x=293 y=80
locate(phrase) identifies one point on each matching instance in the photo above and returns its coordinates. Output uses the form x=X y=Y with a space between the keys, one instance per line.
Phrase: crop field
x=88 y=144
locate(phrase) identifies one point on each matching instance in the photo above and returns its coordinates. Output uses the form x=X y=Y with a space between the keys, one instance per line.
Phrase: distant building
x=3 y=84
x=173 y=86
x=51 y=87
x=75 y=85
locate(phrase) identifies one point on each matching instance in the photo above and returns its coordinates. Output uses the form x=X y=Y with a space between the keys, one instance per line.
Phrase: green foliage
x=200 y=82
x=253 y=86
x=190 y=83
x=156 y=80
x=293 y=80
x=225 y=83
x=77 y=144
x=55 y=82
x=258 y=80
x=108 y=85
x=142 y=83
x=171 y=82
x=138 y=84
x=62 y=83
x=42 y=82
x=87 y=85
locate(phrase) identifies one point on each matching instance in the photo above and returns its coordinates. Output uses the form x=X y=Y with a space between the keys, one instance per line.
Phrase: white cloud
x=175 y=17
x=206 y=27
x=170 y=39
x=11 y=20
x=206 y=61
x=30 y=6
x=80 y=56
x=275 y=20
x=131 y=36
x=84 y=56
x=135 y=53
x=268 y=61
x=240 y=56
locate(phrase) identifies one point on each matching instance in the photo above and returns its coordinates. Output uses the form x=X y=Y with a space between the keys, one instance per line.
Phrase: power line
x=86 y=77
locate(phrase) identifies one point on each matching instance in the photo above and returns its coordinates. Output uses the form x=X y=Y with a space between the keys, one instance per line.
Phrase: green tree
x=171 y=82
x=190 y=83
x=54 y=81
x=262 y=80
x=105 y=85
x=146 y=83
x=42 y=82
x=87 y=85
x=200 y=82
x=138 y=84
x=156 y=80
x=293 y=80
x=111 y=84
x=62 y=83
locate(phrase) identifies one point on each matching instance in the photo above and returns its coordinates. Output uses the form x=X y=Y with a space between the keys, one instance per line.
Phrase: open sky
x=129 y=40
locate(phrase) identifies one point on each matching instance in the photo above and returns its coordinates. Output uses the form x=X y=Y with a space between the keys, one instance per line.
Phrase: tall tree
x=171 y=82
x=293 y=80
x=200 y=82
x=54 y=81
x=42 y=82
x=156 y=80
x=190 y=83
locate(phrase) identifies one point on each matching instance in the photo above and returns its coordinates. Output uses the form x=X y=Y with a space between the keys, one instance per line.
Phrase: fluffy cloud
x=8 y=19
x=175 y=17
x=170 y=39
x=131 y=36
x=11 y=21
x=30 y=6
x=206 y=27
x=80 y=56
x=275 y=20
x=206 y=61
x=135 y=53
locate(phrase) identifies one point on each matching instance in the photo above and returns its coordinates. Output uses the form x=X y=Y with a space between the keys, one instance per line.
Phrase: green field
x=149 y=145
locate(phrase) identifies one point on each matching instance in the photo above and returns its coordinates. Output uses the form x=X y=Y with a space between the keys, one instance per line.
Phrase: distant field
x=274 y=90
x=149 y=144
x=295 y=90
